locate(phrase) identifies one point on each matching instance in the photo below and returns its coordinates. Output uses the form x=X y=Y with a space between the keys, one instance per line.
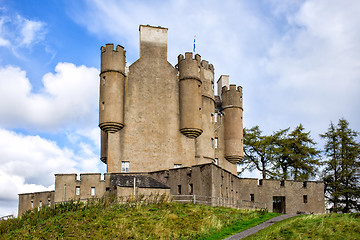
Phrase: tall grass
x=151 y=217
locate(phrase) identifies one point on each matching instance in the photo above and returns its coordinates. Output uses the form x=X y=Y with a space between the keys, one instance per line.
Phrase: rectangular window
x=40 y=203
x=49 y=202
x=92 y=191
x=212 y=142
x=125 y=166
x=216 y=117
x=304 y=184
x=260 y=182
x=77 y=190
x=252 y=197
x=191 y=189
x=177 y=165
x=282 y=183
x=216 y=161
x=32 y=204
x=216 y=142
x=179 y=189
x=305 y=199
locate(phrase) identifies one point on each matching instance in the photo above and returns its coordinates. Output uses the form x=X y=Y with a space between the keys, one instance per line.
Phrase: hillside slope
x=102 y=220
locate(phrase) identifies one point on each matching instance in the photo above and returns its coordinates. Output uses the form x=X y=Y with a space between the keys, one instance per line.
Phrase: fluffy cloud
x=28 y=164
x=69 y=97
x=315 y=66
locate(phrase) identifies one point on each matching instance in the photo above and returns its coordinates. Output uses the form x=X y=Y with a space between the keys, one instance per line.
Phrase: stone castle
x=163 y=130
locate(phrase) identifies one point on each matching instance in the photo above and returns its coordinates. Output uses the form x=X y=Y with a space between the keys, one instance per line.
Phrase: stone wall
x=34 y=200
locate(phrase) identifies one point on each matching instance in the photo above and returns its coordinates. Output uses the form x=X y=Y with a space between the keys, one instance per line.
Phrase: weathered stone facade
x=164 y=131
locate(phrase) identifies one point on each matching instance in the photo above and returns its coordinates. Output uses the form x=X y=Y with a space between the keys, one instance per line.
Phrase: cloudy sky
x=298 y=62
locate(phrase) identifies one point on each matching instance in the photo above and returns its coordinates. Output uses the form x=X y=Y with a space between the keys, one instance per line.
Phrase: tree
x=342 y=166
x=258 y=151
x=296 y=155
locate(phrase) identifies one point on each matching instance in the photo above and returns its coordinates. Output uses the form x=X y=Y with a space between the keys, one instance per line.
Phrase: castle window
x=92 y=193
x=49 y=202
x=216 y=143
x=104 y=80
x=252 y=197
x=260 y=182
x=32 y=204
x=125 y=166
x=191 y=189
x=179 y=189
x=177 y=165
x=305 y=199
x=282 y=183
x=216 y=161
x=107 y=189
x=304 y=184
x=77 y=191
x=103 y=105
x=212 y=117
x=216 y=117
x=212 y=142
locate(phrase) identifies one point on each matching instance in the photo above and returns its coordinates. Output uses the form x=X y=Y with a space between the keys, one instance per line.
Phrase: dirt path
x=257 y=228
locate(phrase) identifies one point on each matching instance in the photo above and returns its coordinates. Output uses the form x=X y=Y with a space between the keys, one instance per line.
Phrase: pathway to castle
x=257 y=228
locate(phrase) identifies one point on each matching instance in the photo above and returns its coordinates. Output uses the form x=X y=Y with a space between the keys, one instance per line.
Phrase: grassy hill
x=323 y=226
x=146 y=220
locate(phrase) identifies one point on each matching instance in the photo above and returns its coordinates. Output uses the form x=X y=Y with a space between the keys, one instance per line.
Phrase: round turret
x=233 y=123
x=190 y=95
x=112 y=76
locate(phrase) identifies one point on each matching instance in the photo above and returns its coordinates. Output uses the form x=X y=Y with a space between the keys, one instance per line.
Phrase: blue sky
x=298 y=62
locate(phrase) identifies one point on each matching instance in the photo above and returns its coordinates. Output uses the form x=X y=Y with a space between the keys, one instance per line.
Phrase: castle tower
x=111 y=104
x=205 y=151
x=233 y=124
x=190 y=95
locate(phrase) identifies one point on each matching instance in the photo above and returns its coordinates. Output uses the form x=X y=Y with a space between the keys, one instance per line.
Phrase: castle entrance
x=279 y=204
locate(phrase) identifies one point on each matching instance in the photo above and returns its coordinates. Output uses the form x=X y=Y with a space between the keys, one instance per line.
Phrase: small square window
x=92 y=191
x=77 y=190
x=125 y=166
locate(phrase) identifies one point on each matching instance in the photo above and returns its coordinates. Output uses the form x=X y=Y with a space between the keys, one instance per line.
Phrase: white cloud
x=31 y=31
x=69 y=97
x=20 y=32
x=28 y=164
x=315 y=66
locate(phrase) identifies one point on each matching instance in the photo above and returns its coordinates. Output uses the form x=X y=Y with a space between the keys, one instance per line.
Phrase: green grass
x=151 y=220
x=324 y=226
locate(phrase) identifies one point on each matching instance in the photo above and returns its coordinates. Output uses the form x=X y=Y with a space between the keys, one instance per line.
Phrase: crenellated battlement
x=189 y=67
x=207 y=66
x=109 y=47
x=232 y=88
x=113 y=60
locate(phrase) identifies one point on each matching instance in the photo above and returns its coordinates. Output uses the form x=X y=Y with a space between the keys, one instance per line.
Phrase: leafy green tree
x=295 y=154
x=258 y=151
x=342 y=166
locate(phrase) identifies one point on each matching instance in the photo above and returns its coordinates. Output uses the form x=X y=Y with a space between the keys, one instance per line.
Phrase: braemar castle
x=163 y=130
